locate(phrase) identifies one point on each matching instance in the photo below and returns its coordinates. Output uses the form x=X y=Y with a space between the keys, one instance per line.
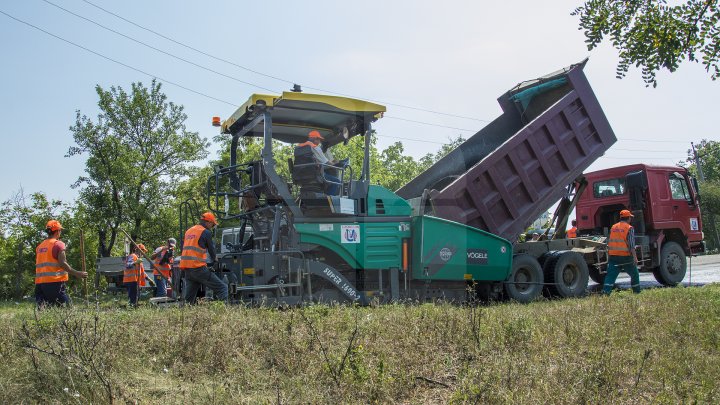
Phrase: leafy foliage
x=653 y=35
x=137 y=149
x=23 y=220
x=708 y=152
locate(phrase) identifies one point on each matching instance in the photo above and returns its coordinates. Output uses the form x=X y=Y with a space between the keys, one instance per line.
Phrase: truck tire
x=525 y=281
x=673 y=265
x=568 y=274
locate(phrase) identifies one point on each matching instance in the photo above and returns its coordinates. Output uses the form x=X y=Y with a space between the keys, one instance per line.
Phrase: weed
x=661 y=346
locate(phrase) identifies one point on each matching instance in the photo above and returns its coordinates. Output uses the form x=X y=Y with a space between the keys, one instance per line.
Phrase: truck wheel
x=673 y=265
x=525 y=281
x=569 y=275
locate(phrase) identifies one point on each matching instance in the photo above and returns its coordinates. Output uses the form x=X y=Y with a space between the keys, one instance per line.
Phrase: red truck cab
x=664 y=201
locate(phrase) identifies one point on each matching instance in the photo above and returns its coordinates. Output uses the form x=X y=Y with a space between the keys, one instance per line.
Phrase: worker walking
x=52 y=269
x=134 y=274
x=162 y=259
x=197 y=247
x=572 y=232
x=621 y=252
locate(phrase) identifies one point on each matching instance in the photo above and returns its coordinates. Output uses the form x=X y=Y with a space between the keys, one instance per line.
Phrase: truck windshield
x=609 y=188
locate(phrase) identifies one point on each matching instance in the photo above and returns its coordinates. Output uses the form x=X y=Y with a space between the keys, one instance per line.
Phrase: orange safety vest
x=164 y=268
x=47 y=268
x=193 y=256
x=572 y=232
x=618 y=243
x=136 y=273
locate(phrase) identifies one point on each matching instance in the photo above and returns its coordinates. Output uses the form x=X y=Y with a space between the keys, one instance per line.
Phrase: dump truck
x=666 y=209
x=450 y=233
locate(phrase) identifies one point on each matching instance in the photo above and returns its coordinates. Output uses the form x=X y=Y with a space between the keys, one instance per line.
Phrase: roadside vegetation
x=661 y=346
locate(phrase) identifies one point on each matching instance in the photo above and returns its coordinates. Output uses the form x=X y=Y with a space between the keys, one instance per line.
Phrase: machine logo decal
x=326 y=227
x=445 y=254
x=350 y=233
x=503 y=249
x=403 y=227
x=477 y=256
x=694 y=226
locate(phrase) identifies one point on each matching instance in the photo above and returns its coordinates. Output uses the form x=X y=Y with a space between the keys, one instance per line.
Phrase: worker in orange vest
x=572 y=232
x=162 y=259
x=198 y=257
x=134 y=274
x=52 y=268
x=621 y=252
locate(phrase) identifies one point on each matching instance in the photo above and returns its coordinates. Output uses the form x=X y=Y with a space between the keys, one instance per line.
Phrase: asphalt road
x=701 y=270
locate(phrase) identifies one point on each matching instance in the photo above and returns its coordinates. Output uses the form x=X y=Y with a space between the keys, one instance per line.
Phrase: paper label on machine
x=350 y=233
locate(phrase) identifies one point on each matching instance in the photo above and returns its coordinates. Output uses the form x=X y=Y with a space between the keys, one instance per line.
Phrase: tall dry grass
x=662 y=346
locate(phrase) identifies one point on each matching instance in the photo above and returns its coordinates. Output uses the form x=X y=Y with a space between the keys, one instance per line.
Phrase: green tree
x=710 y=203
x=708 y=154
x=137 y=149
x=653 y=35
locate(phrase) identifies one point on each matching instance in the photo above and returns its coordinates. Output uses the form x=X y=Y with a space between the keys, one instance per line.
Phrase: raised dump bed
x=501 y=181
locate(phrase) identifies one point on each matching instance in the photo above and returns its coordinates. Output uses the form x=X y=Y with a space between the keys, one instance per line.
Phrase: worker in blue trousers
x=621 y=252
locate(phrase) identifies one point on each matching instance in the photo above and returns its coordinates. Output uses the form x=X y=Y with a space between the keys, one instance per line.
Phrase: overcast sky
x=454 y=57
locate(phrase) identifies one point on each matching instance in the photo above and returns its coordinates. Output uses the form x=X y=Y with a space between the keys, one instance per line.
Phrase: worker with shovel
x=621 y=252
x=134 y=274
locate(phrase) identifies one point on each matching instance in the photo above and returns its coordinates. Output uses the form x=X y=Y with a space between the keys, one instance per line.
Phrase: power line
x=645 y=150
x=118 y=62
x=634 y=158
x=179 y=85
x=412 y=139
x=219 y=73
x=268 y=75
x=244 y=82
x=188 y=46
x=431 y=124
x=646 y=140
x=160 y=50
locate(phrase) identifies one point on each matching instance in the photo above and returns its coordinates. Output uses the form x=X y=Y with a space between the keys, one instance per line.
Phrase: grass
x=662 y=346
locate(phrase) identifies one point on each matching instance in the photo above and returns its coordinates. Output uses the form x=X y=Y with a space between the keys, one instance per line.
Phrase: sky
x=454 y=57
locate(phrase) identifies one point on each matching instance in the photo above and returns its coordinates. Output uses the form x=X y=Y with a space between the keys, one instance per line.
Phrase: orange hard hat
x=209 y=217
x=142 y=247
x=626 y=214
x=53 y=225
x=315 y=134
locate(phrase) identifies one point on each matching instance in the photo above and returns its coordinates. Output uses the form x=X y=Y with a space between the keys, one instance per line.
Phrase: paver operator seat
x=306 y=173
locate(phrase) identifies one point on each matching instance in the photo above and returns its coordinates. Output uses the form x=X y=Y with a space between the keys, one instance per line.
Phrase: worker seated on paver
x=310 y=152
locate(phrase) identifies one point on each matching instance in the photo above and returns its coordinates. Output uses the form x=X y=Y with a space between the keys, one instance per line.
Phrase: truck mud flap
x=331 y=274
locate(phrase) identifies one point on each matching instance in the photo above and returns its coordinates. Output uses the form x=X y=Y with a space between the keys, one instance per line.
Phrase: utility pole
x=697 y=163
